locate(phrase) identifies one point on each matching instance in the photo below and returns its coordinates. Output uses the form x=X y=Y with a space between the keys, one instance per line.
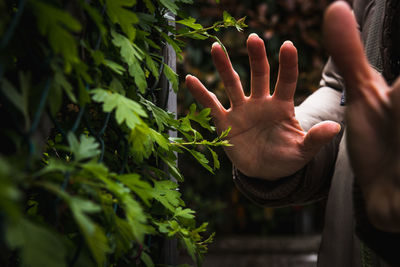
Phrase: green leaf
x=172 y=168
x=54 y=165
x=140 y=187
x=117 y=68
x=159 y=139
x=85 y=149
x=201 y=159
x=228 y=19
x=170 y=5
x=61 y=81
x=162 y=118
x=190 y=22
x=141 y=143
x=146 y=259
x=184 y=213
x=136 y=71
x=152 y=66
x=166 y=193
x=215 y=158
x=201 y=117
x=172 y=42
x=93 y=233
x=18 y=99
x=118 y=13
x=37 y=245
x=150 y=6
x=134 y=213
x=172 y=77
x=126 y=110
x=97 y=18
x=56 y=24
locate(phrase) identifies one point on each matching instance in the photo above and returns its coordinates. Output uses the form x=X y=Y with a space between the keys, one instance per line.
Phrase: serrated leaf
x=86 y=148
x=117 y=11
x=190 y=22
x=163 y=118
x=201 y=117
x=152 y=66
x=184 y=213
x=126 y=110
x=215 y=158
x=201 y=158
x=136 y=71
x=141 y=143
x=172 y=77
x=166 y=193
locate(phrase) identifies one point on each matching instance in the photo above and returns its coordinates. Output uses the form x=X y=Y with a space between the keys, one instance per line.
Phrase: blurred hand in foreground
x=373 y=119
x=268 y=141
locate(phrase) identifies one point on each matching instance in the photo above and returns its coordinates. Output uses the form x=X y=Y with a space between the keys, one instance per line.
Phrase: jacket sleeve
x=312 y=182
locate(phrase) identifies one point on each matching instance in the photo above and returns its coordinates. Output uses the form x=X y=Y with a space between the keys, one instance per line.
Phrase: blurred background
x=261 y=236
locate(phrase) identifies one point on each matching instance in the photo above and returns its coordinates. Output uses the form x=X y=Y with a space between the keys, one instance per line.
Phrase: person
x=342 y=142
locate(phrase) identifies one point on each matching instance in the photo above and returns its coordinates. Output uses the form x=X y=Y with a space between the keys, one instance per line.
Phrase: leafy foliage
x=86 y=172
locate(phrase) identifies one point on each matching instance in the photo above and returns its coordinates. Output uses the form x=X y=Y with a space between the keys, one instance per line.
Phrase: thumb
x=342 y=40
x=319 y=135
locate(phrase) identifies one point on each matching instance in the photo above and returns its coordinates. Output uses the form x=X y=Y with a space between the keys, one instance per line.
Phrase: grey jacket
x=329 y=174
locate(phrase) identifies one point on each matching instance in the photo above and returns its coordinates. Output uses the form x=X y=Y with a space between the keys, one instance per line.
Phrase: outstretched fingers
x=259 y=66
x=230 y=78
x=205 y=97
x=288 y=72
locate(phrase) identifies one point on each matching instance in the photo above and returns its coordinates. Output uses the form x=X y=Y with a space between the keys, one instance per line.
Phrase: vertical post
x=168 y=97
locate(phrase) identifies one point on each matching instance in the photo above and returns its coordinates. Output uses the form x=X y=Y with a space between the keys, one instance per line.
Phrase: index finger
x=342 y=40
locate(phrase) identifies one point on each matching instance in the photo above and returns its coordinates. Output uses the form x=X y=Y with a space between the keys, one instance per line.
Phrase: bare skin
x=268 y=140
x=373 y=119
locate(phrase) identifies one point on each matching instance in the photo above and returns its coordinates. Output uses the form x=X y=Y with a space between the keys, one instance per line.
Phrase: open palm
x=268 y=141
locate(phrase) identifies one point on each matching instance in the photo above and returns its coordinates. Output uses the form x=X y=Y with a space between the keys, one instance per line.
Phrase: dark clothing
x=329 y=174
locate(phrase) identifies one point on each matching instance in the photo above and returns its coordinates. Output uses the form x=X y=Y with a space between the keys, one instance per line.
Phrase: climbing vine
x=88 y=170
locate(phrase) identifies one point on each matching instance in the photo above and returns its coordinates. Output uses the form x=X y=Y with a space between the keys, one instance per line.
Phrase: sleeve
x=312 y=182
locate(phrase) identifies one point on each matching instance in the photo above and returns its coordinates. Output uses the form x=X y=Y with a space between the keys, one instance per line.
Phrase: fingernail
x=253 y=34
x=288 y=42
x=214 y=44
x=188 y=75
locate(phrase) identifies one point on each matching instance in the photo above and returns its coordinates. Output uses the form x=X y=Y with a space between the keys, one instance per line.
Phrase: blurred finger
x=230 y=78
x=259 y=66
x=343 y=42
x=395 y=100
x=288 y=72
x=205 y=97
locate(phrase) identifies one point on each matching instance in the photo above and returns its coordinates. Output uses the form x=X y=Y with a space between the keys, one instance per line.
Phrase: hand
x=268 y=141
x=373 y=119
